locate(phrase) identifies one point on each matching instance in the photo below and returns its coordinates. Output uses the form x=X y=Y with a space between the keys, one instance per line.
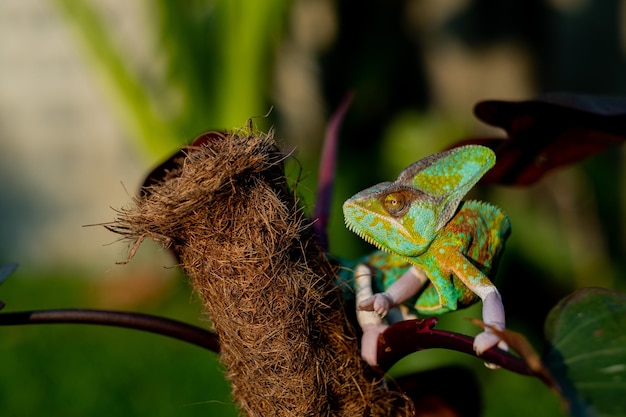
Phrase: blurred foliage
x=416 y=68
x=218 y=58
x=79 y=370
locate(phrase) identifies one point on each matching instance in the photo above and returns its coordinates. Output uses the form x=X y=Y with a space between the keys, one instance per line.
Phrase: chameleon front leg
x=493 y=309
x=369 y=318
x=400 y=291
x=493 y=315
x=371 y=323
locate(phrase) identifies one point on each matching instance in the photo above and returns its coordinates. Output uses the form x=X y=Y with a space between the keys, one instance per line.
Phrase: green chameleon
x=437 y=252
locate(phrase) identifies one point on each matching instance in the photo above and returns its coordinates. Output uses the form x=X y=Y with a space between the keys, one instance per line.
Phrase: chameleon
x=435 y=253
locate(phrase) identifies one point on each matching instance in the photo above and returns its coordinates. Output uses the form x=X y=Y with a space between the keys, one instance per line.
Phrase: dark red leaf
x=548 y=132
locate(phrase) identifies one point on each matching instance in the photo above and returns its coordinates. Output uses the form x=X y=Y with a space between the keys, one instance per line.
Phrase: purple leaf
x=327 y=172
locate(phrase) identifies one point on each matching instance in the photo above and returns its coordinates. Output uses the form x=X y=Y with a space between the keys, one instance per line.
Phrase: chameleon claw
x=486 y=340
x=380 y=303
x=383 y=303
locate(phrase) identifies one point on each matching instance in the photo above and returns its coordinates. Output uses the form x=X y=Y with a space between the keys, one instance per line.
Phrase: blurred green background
x=95 y=93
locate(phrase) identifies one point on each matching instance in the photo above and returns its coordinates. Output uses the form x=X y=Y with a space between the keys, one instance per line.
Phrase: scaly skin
x=437 y=252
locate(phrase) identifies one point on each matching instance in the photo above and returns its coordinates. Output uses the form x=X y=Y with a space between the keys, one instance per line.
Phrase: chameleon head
x=394 y=218
x=404 y=216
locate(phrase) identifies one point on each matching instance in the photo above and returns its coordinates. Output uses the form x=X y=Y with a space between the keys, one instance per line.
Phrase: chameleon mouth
x=359 y=232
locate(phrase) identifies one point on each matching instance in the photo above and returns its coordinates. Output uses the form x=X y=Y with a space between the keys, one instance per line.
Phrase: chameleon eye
x=395 y=203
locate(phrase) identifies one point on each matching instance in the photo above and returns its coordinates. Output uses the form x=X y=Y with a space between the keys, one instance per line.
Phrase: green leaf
x=124 y=83
x=218 y=57
x=587 y=334
x=6 y=270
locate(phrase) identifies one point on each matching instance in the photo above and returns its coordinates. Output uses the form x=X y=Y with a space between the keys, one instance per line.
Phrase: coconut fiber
x=225 y=209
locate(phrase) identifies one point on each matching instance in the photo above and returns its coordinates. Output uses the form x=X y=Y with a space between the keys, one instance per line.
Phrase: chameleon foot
x=486 y=340
x=369 y=343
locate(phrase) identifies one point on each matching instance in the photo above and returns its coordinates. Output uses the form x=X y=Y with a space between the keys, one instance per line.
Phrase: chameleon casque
x=436 y=252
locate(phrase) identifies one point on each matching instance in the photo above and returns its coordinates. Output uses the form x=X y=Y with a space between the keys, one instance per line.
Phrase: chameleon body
x=436 y=252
